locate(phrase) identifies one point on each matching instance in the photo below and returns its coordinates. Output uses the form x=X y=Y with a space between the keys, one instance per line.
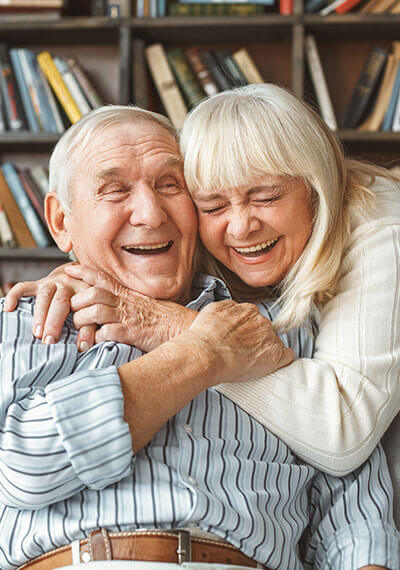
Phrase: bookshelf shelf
x=108 y=49
x=38 y=253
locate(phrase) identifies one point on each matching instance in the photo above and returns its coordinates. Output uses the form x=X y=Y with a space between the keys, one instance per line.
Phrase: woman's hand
x=122 y=315
x=243 y=341
x=53 y=304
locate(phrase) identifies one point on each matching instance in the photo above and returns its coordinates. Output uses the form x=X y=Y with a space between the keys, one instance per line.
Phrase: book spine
x=56 y=81
x=32 y=198
x=346 y=6
x=364 y=90
x=193 y=56
x=86 y=86
x=319 y=83
x=24 y=205
x=24 y=91
x=32 y=87
x=216 y=72
x=286 y=7
x=231 y=69
x=185 y=77
x=72 y=85
x=395 y=126
x=139 y=87
x=6 y=234
x=19 y=227
x=246 y=63
x=312 y=6
x=3 y=127
x=12 y=104
x=40 y=176
x=179 y=9
x=166 y=85
x=58 y=125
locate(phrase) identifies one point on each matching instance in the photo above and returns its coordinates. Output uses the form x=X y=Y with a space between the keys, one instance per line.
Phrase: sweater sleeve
x=61 y=429
x=332 y=410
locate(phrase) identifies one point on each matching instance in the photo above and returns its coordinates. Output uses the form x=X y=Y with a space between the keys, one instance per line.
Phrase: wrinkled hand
x=53 y=304
x=124 y=315
x=240 y=340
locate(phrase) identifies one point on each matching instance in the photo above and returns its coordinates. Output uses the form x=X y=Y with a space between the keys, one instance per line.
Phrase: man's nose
x=147 y=208
x=242 y=223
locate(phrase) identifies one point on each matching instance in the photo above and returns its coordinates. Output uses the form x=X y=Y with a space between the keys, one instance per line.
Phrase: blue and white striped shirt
x=66 y=464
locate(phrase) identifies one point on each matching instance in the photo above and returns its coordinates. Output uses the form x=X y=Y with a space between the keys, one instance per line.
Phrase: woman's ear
x=55 y=218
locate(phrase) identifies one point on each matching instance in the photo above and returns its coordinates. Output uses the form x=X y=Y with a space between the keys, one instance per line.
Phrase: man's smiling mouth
x=153 y=249
x=258 y=249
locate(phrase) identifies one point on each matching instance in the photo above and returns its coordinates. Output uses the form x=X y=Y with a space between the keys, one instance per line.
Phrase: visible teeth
x=158 y=246
x=254 y=248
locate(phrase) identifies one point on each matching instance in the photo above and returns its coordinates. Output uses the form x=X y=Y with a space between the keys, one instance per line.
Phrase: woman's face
x=259 y=230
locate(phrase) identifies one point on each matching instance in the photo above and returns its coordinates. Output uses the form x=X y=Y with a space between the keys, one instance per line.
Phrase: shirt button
x=187 y=428
x=85 y=557
x=192 y=480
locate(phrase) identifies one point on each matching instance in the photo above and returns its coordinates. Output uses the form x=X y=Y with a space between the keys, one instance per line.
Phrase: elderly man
x=103 y=454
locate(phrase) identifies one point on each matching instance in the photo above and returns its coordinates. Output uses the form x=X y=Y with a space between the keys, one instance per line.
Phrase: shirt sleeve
x=61 y=430
x=333 y=409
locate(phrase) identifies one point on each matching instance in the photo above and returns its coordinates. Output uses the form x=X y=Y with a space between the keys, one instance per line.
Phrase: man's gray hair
x=76 y=138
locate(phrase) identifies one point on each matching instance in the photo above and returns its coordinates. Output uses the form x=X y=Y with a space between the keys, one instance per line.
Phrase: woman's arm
x=332 y=410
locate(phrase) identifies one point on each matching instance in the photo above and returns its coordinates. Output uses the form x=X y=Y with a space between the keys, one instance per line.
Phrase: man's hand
x=241 y=341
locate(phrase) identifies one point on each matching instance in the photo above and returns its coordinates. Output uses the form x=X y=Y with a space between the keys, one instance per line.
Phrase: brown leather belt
x=176 y=546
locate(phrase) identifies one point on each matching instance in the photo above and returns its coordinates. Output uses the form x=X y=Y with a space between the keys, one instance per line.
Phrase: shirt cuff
x=88 y=409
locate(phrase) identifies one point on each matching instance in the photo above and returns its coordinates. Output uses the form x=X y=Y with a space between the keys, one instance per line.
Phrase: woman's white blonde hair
x=255 y=130
x=62 y=166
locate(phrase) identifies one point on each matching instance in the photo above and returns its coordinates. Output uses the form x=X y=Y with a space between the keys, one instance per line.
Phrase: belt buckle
x=184 y=550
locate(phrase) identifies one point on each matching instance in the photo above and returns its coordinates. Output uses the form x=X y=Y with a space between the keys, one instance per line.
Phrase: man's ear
x=55 y=217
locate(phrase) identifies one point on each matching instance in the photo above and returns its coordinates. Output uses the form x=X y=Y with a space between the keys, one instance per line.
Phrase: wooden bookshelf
x=106 y=48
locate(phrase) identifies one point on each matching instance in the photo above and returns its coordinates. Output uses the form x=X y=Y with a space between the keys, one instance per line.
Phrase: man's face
x=131 y=215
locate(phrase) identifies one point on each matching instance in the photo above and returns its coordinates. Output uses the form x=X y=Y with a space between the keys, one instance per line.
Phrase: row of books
x=325 y=7
x=183 y=77
x=22 y=192
x=375 y=101
x=42 y=93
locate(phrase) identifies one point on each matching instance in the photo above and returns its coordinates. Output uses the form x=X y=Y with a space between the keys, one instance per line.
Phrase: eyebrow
x=107 y=174
x=198 y=195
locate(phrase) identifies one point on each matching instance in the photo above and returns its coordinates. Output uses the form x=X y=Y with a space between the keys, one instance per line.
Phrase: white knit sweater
x=333 y=409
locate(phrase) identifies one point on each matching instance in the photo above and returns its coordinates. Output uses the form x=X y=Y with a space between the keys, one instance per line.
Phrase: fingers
x=93 y=296
x=93 y=277
x=96 y=315
x=86 y=337
x=51 y=309
x=25 y=289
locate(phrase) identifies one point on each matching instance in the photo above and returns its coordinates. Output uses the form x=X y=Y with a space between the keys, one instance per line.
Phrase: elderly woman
x=280 y=208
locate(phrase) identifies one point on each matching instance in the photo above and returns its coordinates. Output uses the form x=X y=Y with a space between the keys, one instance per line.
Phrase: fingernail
x=49 y=339
x=38 y=331
x=84 y=345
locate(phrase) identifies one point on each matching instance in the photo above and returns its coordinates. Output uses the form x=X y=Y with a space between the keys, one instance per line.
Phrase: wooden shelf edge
x=32 y=253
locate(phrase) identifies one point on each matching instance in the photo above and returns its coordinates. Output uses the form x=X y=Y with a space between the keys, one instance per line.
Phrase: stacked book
x=41 y=93
x=325 y=7
x=31 y=8
x=22 y=220
x=184 y=77
x=375 y=101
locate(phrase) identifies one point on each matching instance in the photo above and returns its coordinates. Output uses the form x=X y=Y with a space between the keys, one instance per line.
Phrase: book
x=19 y=227
x=58 y=85
x=286 y=7
x=118 y=8
x=375 y=118
x=365 y=89
x=246 y=63
x=6 y=234
x=33 y=89
x=40 y=175
x=312 y=6
x=139 y=74
x=3 y=126
x=229 y=66
x=33 y=198
x=32 y=3
x=186 y=78
x=72 y=85
x=396 y=114
x=26 y=208
x=98 y=8
x=90 y=92
x=319 y=82
x=347 y=5
x=11 y=98
x=218 y=75
x=213 y=9
x=26 y=99
x=166 y=84
x=194 y=58
x=57 y=123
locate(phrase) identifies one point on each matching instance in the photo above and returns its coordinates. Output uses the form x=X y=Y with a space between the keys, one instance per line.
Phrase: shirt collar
x=207 y=289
